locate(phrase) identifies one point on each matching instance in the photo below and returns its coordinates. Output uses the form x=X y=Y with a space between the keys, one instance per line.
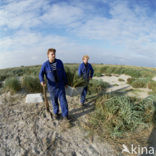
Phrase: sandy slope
x=27 y=129
x=123 y=87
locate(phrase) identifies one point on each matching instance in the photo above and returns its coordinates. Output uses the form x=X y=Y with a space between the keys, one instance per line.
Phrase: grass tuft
x=12 y=84
x=119 y=115
x=31 y=84
x=73 y=79
x=97 y=86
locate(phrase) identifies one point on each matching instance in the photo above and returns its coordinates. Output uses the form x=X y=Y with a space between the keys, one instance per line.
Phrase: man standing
x=86 y=71
x=55 y=74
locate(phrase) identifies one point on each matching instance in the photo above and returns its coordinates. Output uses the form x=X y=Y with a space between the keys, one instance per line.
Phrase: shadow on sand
x=90 y=103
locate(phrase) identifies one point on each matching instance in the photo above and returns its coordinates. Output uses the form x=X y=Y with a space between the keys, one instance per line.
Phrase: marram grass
x=12 y=84
x=97 y=86
x=31 y=84
x=120 y=115
x=73 y=79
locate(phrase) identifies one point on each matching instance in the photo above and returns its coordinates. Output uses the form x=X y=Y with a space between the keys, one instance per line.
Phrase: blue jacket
x=47 y=70
x=85 y=72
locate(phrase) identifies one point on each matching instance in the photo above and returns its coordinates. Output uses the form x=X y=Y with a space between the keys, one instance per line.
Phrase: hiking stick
x=45 y=98
x=46 y=101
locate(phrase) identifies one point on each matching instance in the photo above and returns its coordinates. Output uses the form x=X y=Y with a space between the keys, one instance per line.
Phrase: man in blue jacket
x=55 y=74
x=86 y=71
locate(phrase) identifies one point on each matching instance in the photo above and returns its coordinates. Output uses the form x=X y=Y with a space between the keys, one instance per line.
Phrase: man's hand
x=90 y=78
x=43 y=84
x=66 y=86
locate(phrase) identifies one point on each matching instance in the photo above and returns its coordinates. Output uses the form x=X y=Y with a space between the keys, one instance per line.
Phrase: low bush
x=138 y=82
x=12 y=84
x=31 y=84
x=130 y=80
x=3 y=77
x=116 y=116
x=73 y=79
x=120 y=79
x=96 y=86
x=152 y=85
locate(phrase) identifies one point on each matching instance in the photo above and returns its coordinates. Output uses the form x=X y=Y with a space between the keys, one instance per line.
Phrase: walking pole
x=46 y=101
x=45 y=98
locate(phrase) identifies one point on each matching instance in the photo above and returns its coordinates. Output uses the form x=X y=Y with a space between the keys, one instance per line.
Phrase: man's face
x=51 y=56
x=85 y=60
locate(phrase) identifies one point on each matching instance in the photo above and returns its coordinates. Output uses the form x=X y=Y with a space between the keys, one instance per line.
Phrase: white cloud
x=131 y=29
x=62 y=14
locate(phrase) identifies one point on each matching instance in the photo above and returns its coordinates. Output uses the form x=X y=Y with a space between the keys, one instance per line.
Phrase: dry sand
x=123 y=87
x=28 y=130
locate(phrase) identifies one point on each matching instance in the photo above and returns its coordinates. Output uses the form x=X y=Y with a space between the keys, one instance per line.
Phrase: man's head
x=51 y=54
x=85 y=59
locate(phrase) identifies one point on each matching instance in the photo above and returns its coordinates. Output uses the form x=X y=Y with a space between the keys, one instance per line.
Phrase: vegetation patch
x=12 y=84
x=97 y=86
x=122 y=119
x=135 y=72
x=120 y=79
x=73 y=79
x=138 y=82
x=152 y=85
x=31 y=84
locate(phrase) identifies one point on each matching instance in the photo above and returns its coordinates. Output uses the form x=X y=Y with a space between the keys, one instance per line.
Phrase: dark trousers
x=83 y=95
x=59 y=93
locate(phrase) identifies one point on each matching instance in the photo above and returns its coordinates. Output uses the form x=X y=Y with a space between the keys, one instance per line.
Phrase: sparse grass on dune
x=120 y=79
x=73 y=79
x=120 y=119
x=98 y=68
x=133 y=71
x=96 y=86
x=141 y=76
x=18 y=71
x=120 y=114
x=152 y=85
x=31 y=84
x=115 y=117
x=138 y=82
x=12 y=84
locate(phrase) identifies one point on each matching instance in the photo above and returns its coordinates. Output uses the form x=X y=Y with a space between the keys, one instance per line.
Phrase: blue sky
x=109 y=31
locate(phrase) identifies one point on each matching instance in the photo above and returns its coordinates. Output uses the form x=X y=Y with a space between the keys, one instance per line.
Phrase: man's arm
x=41 y=75
x=64 y=74
x=91 y=71
x=79 y=70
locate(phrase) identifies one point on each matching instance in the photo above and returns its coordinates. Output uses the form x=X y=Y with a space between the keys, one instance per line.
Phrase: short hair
x=51 y=50
x=85 y=56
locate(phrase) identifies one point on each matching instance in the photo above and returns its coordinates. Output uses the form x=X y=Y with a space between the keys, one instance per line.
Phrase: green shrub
x=130 y=80
x=97 y=74
x=12 y=84
x=139 y=83
x=152 y=85
x=107 y=74
x=118 y=115
x=146 y=73
x=116 y=84
x=3 y=77
x=1 y=84
x=73 y=79
x=120 y=79
x=31 y=84
x=133 y=72
x=96 y=86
